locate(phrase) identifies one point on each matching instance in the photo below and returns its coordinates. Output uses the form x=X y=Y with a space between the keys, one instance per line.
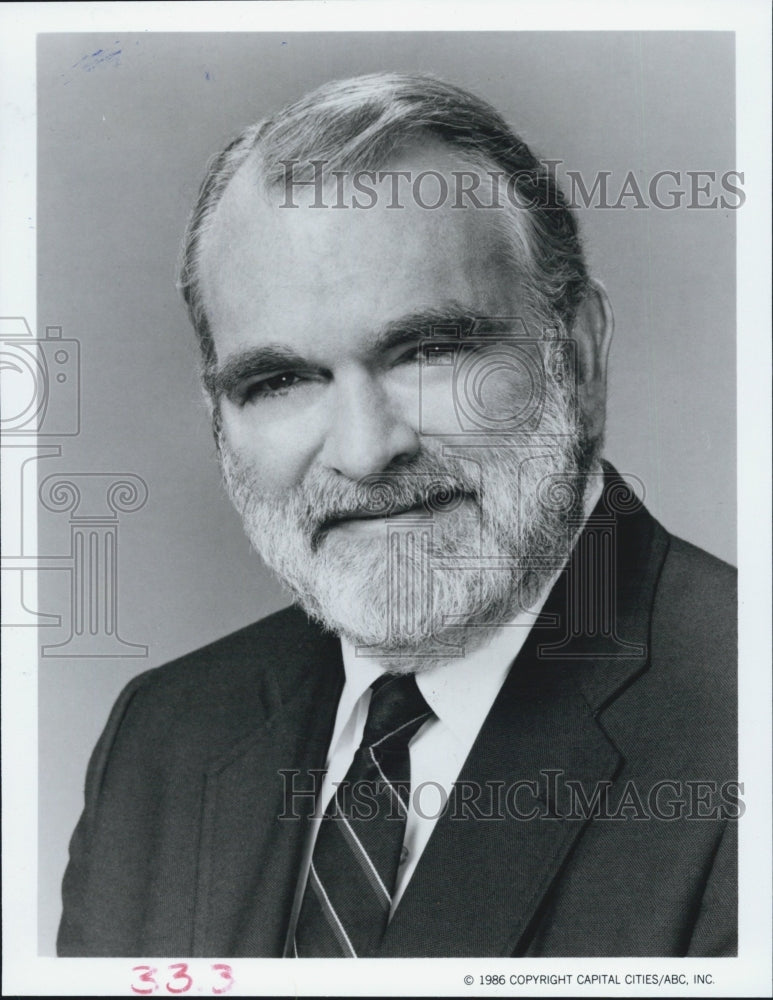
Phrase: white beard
x=428 y=588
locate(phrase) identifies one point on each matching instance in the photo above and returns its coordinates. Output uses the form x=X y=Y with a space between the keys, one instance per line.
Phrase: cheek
x=478 y=395
x=278 y=451
x=438 y=412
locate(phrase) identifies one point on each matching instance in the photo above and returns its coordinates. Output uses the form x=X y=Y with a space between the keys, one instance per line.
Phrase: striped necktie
x=346 y=904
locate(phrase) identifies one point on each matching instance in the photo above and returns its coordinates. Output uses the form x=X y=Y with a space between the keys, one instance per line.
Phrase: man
x=500 y=720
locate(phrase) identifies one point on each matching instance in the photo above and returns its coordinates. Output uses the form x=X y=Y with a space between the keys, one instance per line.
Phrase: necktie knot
x=397 y=710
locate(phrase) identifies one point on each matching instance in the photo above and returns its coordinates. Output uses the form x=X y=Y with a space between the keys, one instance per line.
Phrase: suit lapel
x=480 y=883
x=253 y=828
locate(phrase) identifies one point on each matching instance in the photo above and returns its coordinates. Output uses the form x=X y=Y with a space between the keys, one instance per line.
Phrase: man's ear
x=592 y=332
x=209 y=403
x=213 y=412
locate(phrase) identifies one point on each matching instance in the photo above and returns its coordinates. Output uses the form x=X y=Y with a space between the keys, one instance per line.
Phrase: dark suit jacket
x=181 y=849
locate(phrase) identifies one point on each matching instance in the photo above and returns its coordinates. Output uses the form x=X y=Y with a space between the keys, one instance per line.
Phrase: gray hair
x=356 y=124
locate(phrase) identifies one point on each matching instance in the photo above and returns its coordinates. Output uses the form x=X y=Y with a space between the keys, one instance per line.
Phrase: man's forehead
x=263 y=261
x=423 y=185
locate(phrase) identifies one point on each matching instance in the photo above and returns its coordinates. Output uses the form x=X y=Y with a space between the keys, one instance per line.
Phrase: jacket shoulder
x=696 y=605
x=248 y=652
x=692 y=675
x=709 y=578
x=207 y=699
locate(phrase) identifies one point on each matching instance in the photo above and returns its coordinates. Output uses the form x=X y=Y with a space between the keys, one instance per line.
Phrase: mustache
x=382 y=497
x=424 y=486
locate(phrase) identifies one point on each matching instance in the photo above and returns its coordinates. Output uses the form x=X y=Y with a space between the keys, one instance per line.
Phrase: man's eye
x=275 y=385
x=425 y=352
x=440 y=353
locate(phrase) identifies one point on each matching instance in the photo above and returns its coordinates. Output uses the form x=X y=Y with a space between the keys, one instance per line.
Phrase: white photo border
x=24 y=972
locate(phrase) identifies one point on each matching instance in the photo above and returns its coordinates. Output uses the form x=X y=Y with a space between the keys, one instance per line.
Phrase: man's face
x=326 y=399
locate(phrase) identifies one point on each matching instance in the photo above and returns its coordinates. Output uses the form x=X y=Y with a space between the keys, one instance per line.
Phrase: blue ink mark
x=206 y=75
x=88 y=63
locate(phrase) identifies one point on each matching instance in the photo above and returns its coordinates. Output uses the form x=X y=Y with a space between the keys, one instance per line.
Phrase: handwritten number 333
x=180 y=981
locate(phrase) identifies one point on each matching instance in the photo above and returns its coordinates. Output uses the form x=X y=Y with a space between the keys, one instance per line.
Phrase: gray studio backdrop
x=126 y=125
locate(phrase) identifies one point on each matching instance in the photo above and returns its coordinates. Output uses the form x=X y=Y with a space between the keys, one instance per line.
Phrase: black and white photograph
x=386 y=500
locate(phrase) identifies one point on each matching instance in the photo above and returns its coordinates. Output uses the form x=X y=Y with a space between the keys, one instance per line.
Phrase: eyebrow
x=425 y=323
x=269 y=359
x=249 y=363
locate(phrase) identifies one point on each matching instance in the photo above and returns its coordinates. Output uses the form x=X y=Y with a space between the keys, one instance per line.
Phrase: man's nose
x=367 y=431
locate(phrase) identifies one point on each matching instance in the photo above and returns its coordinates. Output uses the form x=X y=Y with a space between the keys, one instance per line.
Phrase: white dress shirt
x=460 y=692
